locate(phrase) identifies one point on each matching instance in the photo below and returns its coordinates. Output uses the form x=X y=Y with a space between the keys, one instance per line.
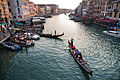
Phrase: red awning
x=107 y=20
x=84 y=17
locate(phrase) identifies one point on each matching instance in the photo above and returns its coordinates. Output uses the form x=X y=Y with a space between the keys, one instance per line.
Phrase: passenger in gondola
x=79 y=57
x=76 y=52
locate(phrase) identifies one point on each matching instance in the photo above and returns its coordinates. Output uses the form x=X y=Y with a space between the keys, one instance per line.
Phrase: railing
x=110 y=10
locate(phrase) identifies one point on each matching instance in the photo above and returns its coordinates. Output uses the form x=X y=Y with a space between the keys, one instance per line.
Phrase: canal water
x=50 y=59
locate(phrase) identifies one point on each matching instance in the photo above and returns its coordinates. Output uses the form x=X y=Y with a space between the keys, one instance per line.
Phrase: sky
x=68 y=4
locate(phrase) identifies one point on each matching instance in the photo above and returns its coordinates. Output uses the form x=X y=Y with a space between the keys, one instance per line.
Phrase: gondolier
x=55 y=32
x=51 y=35
x=72 y=41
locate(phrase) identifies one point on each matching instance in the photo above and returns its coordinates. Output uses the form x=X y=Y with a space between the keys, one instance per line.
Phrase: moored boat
x=80 y=62
x=11 y=45
x=113 y=33
x=31 y=36
x=22 y=40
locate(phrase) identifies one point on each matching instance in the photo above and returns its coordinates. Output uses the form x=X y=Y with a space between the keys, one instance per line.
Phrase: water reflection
x=6 y=57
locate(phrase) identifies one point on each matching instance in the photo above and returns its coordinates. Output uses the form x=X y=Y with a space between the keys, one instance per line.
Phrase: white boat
x=30 y=42
x=113 y=33
x=31 y=36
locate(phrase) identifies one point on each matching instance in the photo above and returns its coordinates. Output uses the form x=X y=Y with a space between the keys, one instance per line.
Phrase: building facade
x=36 y=9
x=15 y=8
x=98 y=7
x=54 y=9
x=4 y=11
x=41 y=9
x=31 y=9
x=25 y=9
x=48 y=9
x=115 y=9
x=81 y=9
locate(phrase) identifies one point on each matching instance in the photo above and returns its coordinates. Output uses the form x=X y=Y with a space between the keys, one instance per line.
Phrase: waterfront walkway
x=4 y=34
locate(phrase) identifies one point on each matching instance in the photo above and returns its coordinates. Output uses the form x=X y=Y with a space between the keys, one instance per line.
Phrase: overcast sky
x=69 y=4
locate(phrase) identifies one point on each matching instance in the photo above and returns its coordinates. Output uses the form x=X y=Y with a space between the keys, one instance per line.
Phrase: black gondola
x=82 y=63
x=51 y=36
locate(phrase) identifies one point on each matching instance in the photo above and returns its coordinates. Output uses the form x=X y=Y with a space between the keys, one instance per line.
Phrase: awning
x=15 y=29
x=18 y=23
x=2 y=24
x=11 y=20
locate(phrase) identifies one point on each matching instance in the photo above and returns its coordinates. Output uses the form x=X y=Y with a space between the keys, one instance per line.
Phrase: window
x=117 y=6
x=10 y=10
x=17 y=3
x=18 y=10
x=25 y=4
x=119 y=15
x=115 y=14
x=111 y=14
x=8 y=3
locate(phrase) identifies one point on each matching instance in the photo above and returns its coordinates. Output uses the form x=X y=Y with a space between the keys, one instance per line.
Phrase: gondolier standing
x=72 y=41
x=55 y=32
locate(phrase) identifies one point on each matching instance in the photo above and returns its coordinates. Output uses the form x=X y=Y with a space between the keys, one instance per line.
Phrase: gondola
x=51 y=36
x=82 y=63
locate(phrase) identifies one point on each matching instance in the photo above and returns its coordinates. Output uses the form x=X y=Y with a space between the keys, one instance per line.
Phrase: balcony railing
x=109 y=10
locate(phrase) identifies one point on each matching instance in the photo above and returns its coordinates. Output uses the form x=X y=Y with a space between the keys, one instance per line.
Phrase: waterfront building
x=36 y=9
x=62 y=11
x=41 y=9
x=15 y=9
x=115 y=9
x=25 y=9
x=81 y=9
x=54 y=9
x=92 y=7
x=4 y=11
x=48 y=9
x=31 y=9
x=104 y=6
x=98 y=7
